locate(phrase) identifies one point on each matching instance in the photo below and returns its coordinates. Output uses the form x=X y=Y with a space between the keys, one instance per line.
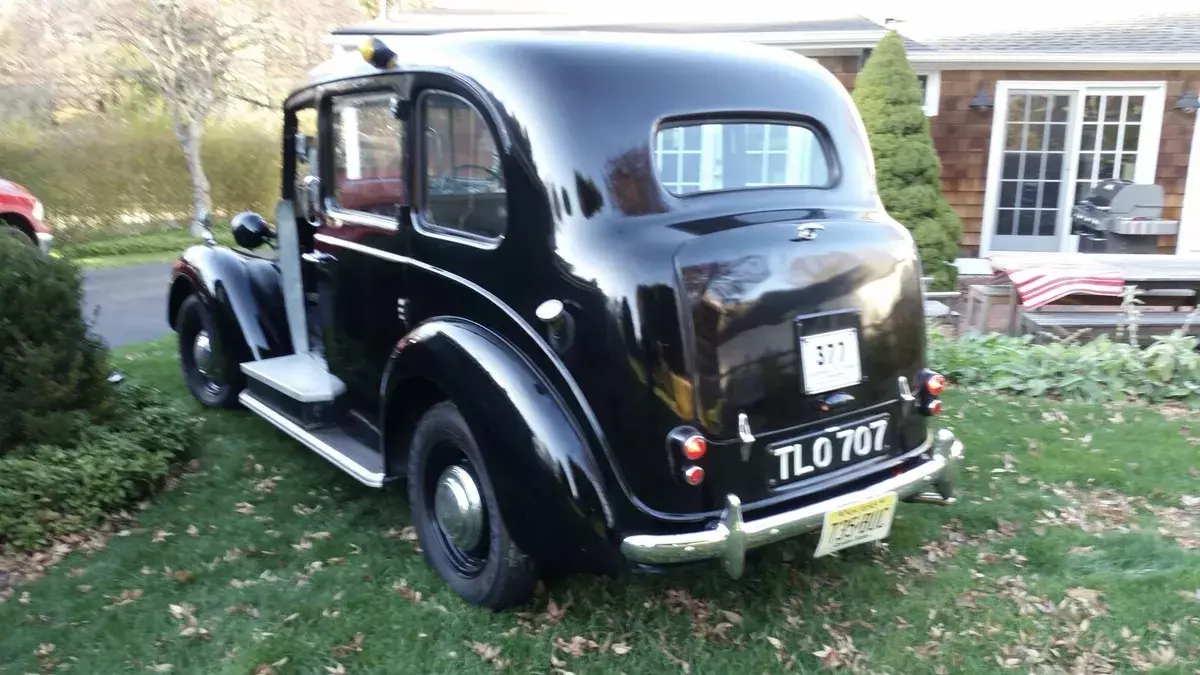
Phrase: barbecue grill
x=1120 y=216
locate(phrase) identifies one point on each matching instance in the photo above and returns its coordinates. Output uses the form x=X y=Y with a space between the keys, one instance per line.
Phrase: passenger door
x=358 y=271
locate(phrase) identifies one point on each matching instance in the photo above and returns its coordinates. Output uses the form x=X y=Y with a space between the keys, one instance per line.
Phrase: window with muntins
x=464 y=189
x=368 y=155
x=720 y=156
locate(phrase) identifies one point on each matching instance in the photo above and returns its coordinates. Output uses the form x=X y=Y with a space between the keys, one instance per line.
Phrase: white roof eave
x=1058 y=60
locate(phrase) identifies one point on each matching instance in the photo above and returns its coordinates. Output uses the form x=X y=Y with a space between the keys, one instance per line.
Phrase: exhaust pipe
x=931 y=498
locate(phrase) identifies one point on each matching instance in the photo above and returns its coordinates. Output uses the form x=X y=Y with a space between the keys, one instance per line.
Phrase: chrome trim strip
x=733 y=536
x=356 y=470
x=363 y=219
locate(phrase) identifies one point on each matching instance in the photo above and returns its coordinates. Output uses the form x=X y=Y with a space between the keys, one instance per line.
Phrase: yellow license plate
x=856 y=524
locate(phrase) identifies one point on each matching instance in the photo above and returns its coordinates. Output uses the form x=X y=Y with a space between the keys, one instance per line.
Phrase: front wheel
x=457 y=514
x=212 y=374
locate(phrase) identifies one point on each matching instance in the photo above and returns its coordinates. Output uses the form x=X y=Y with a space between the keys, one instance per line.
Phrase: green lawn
x=1074 y=549
x=137 y=249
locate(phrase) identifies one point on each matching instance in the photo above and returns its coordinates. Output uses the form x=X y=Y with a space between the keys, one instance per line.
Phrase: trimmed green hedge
x=101 y=177
x=155 y=242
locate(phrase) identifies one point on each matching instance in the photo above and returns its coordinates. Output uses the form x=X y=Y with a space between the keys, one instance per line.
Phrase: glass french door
x=1108 y=142
x=1054 y=145
x=1034 y=169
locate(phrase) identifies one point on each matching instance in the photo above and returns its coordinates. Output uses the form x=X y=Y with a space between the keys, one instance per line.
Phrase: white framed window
x=931 y=90
x=719 y=155
x=1051 y=141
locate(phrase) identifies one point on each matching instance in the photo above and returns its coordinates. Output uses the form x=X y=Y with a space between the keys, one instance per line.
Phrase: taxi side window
x=368 y=166
x=463 y=186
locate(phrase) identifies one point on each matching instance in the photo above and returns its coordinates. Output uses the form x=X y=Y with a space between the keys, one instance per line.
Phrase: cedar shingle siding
x=963 y=136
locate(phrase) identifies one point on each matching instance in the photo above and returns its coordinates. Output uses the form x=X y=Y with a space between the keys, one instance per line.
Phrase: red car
x=21 y=216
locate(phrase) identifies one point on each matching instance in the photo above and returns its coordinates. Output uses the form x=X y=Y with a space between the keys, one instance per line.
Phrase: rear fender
x=555 y=505
x=244 y=294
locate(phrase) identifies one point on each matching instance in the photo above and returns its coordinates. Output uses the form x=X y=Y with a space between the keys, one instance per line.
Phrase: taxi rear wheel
x=457 y=514
x=212 y=375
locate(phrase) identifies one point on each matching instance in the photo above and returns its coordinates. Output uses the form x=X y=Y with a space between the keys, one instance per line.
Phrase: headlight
x=39 y=211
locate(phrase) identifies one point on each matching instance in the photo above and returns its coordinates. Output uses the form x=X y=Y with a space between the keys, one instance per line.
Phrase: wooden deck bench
x=934 y=307
x=1099 y=322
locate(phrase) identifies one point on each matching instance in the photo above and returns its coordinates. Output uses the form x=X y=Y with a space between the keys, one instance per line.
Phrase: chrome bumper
x=732 y=536
x=44 y=241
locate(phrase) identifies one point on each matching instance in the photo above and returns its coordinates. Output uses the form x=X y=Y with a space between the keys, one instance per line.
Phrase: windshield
x=702 y=157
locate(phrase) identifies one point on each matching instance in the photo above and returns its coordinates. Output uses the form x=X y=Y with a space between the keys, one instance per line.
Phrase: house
x=1024 y=122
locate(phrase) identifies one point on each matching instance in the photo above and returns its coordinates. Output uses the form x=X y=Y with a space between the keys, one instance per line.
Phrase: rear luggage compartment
x=797 y=333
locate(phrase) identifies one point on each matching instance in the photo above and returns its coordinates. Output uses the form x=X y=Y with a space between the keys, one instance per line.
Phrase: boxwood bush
x=72 y=447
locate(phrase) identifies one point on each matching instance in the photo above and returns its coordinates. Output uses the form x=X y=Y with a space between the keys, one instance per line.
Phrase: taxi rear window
x=710 y=156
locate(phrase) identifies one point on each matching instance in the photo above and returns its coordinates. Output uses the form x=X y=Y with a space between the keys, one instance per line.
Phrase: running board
x=361 y=462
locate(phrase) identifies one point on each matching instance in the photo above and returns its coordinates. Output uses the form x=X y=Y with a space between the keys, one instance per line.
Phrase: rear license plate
x=830 y=448
x=855 y=524
x=830 y=360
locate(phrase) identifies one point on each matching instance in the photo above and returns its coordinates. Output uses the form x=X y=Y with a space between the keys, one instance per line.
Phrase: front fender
x=555 y=506
x=244 y=293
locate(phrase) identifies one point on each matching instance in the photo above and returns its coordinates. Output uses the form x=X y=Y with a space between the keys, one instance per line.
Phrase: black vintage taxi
x=602 y=301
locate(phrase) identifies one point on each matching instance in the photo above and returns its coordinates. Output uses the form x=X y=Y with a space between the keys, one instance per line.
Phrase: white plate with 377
x=830 y=360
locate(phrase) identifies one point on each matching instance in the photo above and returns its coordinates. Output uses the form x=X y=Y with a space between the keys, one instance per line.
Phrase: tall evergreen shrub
x=908 y=171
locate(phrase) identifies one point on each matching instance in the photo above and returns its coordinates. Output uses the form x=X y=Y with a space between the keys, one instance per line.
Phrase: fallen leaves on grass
x=354 y=646
x=406 y=533
x=248 y=610
x=190 y=626
x=489 y=654
x=406 y=592
x=701 y=614
x=45 y=656
x=19 y=567
x=267 y=484
x=577 y=646
x=244 y=508
x=1181 y=523
x=126 y=597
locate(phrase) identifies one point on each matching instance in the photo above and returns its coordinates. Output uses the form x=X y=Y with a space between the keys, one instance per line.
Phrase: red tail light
x=695 y=447
x=694 y=475
x=934 y=407
x=936 y=384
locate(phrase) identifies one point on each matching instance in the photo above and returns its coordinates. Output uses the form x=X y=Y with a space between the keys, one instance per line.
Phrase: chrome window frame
x=420 y=223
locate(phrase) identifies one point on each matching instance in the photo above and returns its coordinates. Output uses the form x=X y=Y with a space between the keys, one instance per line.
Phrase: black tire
x=495 y=573
x=10 y=230
x=218 y=385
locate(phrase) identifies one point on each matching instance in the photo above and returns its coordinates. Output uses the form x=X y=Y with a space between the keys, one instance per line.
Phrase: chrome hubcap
x=459 y=508
x=202 y=353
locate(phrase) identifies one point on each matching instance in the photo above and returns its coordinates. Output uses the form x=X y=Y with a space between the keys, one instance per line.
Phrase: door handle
x=318 y=258
x=322 y=262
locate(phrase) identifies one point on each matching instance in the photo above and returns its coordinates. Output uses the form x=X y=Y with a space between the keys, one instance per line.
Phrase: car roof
x=576 y=101
x=471 y=51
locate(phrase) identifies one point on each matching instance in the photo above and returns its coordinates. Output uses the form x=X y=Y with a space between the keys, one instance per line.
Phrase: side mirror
x=250 y=230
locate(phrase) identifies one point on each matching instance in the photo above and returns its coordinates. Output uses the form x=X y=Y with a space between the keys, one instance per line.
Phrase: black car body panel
x=244 y=293
x=537 y=451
